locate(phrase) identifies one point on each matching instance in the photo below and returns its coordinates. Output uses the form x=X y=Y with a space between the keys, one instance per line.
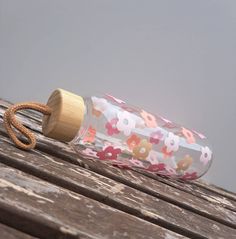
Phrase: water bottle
x=108 y=129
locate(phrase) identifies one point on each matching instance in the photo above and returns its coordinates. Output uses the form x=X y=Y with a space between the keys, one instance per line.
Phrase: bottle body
x=130 y=137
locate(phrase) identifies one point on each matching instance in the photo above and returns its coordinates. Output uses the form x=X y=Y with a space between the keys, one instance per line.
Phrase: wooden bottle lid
x=66 y=117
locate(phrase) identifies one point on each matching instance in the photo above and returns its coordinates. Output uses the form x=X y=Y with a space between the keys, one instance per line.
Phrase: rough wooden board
x=63 y=212
x=11 y=233
x=111 y=193
x=198 y=191
x=216 y=189
x=140 y=182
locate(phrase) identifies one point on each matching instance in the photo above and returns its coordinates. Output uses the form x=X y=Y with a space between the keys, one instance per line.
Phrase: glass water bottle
x=108 y=129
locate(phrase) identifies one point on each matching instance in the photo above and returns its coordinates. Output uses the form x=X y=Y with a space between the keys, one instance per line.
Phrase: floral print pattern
x=156 y=167
x=111 y=127
x=133 y=141
x=153 y=157
x=188 y=135
x=90 y=136
x=129 y=137
x=89 y=152
x=184 y=163
x=206 y=155
x=109 y=153
x=99 y=104
x=125 y=122
x=172 y=142
x=156 y=136
x=189 y=176
x=149 y=119
x=114 y=99
x=142 y=150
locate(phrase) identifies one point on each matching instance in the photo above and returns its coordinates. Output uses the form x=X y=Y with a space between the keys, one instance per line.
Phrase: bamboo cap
x=66 y=117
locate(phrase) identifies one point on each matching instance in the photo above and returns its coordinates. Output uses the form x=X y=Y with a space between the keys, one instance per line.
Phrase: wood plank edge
x=98 y=197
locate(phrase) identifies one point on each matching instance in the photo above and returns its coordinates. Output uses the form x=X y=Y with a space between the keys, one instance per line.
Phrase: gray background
x=176 y=58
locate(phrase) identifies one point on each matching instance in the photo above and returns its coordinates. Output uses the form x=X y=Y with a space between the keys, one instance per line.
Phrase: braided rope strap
x=11 y=122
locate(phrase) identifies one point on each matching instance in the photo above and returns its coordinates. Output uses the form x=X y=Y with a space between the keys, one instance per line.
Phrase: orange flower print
x=184 y=163
x=166 y=153
x=141 y=151
x=188 y=135
x=90 y=136
x=99 y=105
x=96 y=112
x=150 y=120
x=133 y=141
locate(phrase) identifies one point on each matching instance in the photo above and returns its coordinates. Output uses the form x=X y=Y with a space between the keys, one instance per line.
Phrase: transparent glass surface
x=130 y=137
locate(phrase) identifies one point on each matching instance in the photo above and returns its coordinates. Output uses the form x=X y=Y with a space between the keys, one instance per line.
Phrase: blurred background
x=175 y=58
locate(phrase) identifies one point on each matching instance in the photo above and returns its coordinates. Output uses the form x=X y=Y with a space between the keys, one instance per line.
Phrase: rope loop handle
x=11 y=122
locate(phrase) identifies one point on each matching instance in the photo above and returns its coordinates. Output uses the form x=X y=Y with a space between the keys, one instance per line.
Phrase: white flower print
x=206 y=155
x=99 y=104
x=125 y=122
x=153 y=157
x=172 y=142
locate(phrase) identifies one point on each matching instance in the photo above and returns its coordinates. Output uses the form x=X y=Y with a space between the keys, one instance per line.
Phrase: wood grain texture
x=111 y=193
x=48 y=211
x=7 y=232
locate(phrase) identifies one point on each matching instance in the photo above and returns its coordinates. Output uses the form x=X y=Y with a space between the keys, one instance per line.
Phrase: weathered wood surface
x=11 y=233
x=194 y=210
x=53 y=211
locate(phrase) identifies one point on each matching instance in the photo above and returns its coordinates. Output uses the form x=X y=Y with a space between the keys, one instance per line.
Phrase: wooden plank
x=11 y=233
x=111 y=193
x=54 y=212
x=216 y=189
x=140 y=182
x=195 y=189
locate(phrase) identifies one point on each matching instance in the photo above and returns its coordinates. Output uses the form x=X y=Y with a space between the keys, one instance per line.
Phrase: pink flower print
x=114 y=99
x=188 y=135
x=206 y=155
x=171 y=142
x=170 y=171
x=109 y=153
x=200 y=135
x=166 y=153
x=189 y=176
x=125 y=122
x=167 y=123
x=156 y=137
x=165 y=120
x=150 y=120
x=111 y=127
x=152 y=157
x=136 y=163
x=89 y=152
x=156 y=167
x=131 y=109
